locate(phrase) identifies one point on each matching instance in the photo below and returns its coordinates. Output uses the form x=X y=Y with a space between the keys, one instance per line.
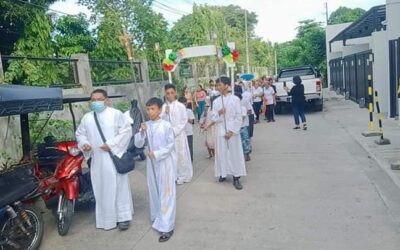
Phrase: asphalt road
x=314 y=189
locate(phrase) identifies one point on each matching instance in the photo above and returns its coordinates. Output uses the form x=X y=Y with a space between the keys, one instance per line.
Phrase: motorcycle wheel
x=64 y=218
x=32 y=241
x=142 y=156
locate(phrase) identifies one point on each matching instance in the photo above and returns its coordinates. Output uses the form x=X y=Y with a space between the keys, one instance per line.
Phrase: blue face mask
x=97 y=106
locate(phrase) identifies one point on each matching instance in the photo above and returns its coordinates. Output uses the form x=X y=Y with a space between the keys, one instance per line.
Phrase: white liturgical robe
x=111 y=189
x=229 y=159
x=178 y=118
x=161 y=182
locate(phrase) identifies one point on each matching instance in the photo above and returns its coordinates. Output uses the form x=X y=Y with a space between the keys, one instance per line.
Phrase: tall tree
x=307 y=48
x=73 y=35
x=227 y=23
x=35 y=41
x=15 y=16
x=345 y=15
x=138 y=19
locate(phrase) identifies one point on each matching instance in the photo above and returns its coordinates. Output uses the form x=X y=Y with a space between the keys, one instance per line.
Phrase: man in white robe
x=161 y=181
x=227 y=114
x=114 y=206
x=175 y=113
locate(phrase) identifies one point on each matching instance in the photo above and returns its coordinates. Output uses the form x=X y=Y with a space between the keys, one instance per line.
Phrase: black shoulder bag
x=124 y=164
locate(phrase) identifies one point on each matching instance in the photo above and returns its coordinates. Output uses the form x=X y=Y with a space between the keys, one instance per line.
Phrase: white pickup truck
x=312 y=87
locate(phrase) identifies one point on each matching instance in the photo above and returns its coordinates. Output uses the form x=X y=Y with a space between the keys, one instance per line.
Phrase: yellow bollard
x=371 y=125
x=381 y=140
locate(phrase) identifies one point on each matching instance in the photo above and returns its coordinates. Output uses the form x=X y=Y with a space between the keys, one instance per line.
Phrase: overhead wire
x=45 y=8
x=171 y=8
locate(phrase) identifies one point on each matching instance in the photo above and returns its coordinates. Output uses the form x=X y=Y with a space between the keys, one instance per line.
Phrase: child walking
x=207 y=125
x=244 y=129
x=189 y=124
x=160 y=168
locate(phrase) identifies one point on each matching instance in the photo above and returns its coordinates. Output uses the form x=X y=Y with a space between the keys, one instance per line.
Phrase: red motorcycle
x=59 y=169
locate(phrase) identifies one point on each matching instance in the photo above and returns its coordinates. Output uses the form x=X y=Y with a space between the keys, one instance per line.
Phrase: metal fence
x=156 y=72
x=105 y=72
x=394 y=76
x=60 y=72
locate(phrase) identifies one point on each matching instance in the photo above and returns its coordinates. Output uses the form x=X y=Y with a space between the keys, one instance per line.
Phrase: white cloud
x=277 y=19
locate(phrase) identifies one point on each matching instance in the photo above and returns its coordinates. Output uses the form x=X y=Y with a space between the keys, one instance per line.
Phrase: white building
x=368 y=46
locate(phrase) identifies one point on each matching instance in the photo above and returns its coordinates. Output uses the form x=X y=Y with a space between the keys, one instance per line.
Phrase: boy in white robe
x=160 y=169
x=114 y=206
x=189 y=124
x=227 y=115
x=175 y=112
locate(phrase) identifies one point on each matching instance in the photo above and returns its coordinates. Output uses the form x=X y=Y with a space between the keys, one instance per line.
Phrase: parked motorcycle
x=59 y=169
x=21 y=224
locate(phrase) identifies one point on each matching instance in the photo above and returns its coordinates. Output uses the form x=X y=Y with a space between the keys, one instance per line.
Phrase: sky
x=277 y=19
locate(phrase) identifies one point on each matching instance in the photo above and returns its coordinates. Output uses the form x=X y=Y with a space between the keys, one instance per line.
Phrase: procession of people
x=225 y=117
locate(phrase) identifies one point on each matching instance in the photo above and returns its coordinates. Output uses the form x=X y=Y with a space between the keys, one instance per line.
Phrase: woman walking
x=200 y=98
x=298 y=102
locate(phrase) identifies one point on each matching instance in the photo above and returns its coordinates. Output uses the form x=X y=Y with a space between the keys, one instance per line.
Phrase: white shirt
x=245 y=122
x=127 y=115
x=247 y=101
x=189 y=125
x=256 y=94
x=269 y=95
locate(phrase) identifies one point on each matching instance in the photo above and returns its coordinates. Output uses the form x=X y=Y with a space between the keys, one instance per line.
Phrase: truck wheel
x=278 y=109
x=318 y=106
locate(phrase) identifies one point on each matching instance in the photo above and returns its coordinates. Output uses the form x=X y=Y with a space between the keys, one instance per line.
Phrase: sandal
x=165 y=236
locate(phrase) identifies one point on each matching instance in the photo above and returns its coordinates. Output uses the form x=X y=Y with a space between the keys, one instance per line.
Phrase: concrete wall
x=354 y=49
x=10 y=141
x=380 y=48
x=331 y=32
x=378 y=42
x=393 y=18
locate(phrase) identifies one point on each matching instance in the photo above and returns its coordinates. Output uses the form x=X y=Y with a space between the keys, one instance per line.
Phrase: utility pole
x=326 y=13
x=157 y=48
x=276 y=61
x=225 y=29
x=247 y=43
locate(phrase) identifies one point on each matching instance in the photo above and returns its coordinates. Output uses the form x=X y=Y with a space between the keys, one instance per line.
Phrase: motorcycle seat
x=16 y=191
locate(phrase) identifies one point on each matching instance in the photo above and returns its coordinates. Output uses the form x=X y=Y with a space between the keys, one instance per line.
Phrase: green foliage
x=307 y=48
x=227 y=23
x=14 y=18
x=6 y=162
x=73 y=36
x=345 y=15
x=61 y=130
x=35 y=42
x=122 y=106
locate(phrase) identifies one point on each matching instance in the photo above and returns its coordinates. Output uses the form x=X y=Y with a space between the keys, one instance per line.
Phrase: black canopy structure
x=22 y=100
x=19 y=99
x=371 y=21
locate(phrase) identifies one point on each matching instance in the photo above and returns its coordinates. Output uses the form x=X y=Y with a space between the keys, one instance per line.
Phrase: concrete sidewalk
x=355 y=121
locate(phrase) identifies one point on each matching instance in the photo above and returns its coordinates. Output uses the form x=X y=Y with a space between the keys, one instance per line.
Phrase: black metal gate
x=350 y=76
x=336 y=73
x=394 y=65
x=363 y=69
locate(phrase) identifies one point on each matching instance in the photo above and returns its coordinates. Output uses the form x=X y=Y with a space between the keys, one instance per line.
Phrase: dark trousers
x=257 y=109
x=251 y=125
x=298 y=112
x=269 y=112
x=190 y=142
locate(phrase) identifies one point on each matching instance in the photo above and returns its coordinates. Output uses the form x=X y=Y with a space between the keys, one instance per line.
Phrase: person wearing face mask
x=114 y=206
